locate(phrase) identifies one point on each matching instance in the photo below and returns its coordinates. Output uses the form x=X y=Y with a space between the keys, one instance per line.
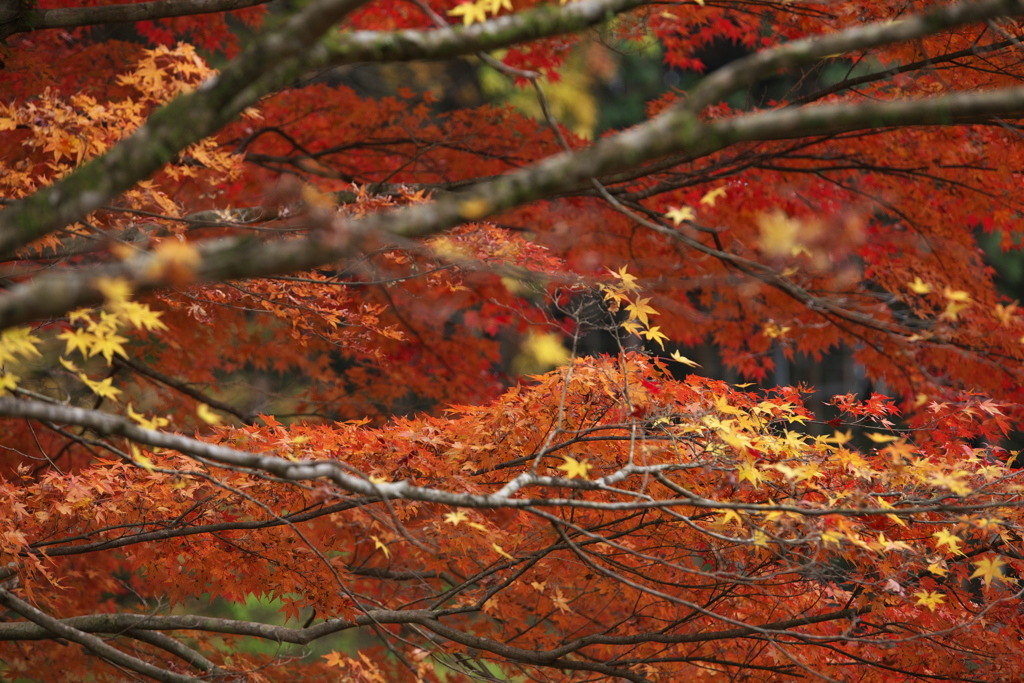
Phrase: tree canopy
x=299 y=375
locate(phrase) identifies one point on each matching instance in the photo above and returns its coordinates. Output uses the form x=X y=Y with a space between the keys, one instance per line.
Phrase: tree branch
x=90 y=642
x=677 y=130
x=71 y=17
x=339 y=474
x=271 y=63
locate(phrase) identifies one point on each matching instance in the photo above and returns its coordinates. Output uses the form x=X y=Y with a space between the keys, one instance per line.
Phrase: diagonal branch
x=90 y=642
x=677 y=130
x=274 y=61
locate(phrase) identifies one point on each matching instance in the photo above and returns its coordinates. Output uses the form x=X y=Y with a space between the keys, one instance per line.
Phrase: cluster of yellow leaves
x=16 y=344
x=625 y=295
x=477 y=11
x=99 y=335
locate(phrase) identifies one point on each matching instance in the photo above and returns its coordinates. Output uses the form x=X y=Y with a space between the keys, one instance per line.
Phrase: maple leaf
x=560 y=601
x=944 y=537
x=574 y=468
x=954 y=482
x=957 y=301
x=779 y=235
x=107 y=345
x=919 y=286
x=731 y=515
x=749 y=472
x=679 y=358
x=115 y=290
x=628 y=279
x=471 y=12
x=498 y=549
x=377 y=543
x=988 y=569
x=103 y=388
x=335 y=658
x=1004 y=314
x=78 y=339
x=712 y=196
x=141 y=316
x=456 y=517
x=881 y=438
x=654 y=334
x=930 y=599
x=640 y=309
x=207 y=415
x=545 y=350
x=19 y=341
x=681 y=213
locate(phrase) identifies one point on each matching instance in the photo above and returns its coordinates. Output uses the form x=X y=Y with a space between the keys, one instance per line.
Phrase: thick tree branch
x=90 y=642
x=675 y=131
x=71 y=17
x=271 y=63
x=177 y=648
x=118 y=623
x=340 y=475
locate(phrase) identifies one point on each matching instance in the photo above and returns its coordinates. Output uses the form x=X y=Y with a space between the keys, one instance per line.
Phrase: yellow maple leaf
x=640 y=309
x=471 y=12
x=146 y=422
x=454 y=518
x=654 y=334
x=773 y=331
x=679 y=358
x=115 y=290
x=729 y=515
x=711 y=197
x=379 y=545
x=141 y=316
x=778 y=234
x=948 y=539
x=335 y=658
x=207 y=415
x=749 y=472
x=574 y=468
x=1004 y=314
x=8 y=382
x=142 y=460
x=988 y=569
x=957 y=301
x=931 y=600
x=954 y=482
x=628 y=280
x=498 y=549
x=881 y=438
x=831 y=537
x=107 y=346
x=679 y=214
x=78 y=339
x=919 y=286
x=175 y=261
x=545 y=350
x=103 y=388
x=840 y=438
x=19 y=341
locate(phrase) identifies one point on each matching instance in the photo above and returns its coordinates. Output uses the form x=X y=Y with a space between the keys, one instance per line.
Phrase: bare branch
x=96 y=645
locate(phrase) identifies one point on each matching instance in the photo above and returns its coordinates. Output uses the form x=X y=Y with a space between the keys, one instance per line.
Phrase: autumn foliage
x=305 y=379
